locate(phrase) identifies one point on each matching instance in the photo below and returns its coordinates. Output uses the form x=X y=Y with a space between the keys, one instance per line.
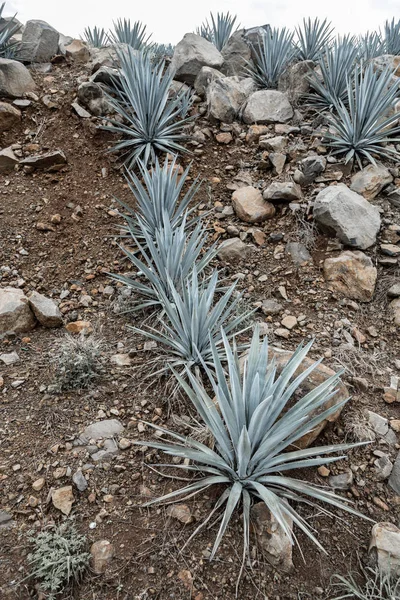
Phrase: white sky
x=169 y=20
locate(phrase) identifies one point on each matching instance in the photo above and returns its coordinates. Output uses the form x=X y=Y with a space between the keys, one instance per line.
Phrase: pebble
x=289 y=322
x=38 y=484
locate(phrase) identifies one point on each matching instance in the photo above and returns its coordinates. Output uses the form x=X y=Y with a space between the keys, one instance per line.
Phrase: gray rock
x=311 y=167
x=394 y=197
x=342 y=211
x=91 y=95
x=63 y=41
x=394 y=480
x=191 y=54
x=298 y=253
x=5 y=520
x=384 y=548
x=394 y=308
x=15 y=314
x=383 y=467
x=101 y=430
x=46 y=161
x=39 y=42
x=387 y=61
x=380 y=427
x=394 y=290
x=45 y=310
x=203 y=80
x=226 y=96
x=106 y=75
x=370 y=181
x=343 y=481
x=270 y=306
x=351 y=274
x=9 y=116
x=267 y=106
x=80 y=111
x=15 y=79
x=233 y=250
x=283 y=191
x=273 y=144
x=80 y=480
x=8 y=160
x=109 y=450
x=9 y=358
x=295 y=79
x=250 y=206
x=237 y=54
x=273 y=540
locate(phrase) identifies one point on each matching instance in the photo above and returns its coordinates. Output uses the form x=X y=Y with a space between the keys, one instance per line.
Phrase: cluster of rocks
x=20 y=313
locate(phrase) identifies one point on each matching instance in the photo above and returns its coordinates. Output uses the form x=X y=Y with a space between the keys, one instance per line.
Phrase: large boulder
x=15 y=79
x=295 y=79
x=237 y=54
x=370 y=181
x=250 y=206
x=15 y=313
x=347 y=214
x=39 y=42
x=191 y=54
x=351 y=274
x=226 y=96
x=267 y=106
x=9 y=116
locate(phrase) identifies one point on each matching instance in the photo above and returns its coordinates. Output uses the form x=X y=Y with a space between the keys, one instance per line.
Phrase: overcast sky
x=168 y=20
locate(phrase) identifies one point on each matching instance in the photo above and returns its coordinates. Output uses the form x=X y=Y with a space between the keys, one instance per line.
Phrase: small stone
x=233 y=250
x=45 y=310
x=10 y=358
x=181 y=512
x=79 y=326
x=343 y=481
x=270 y=306
x=282 y=333
x=289 y=322
x=124 y=443
x=63 y=499
x=323 y=471
x=250 y=207
x=59 y=472
x=390 y=249
x=102 y=552
x=224 y=138
x=38 y=484
x=80 y=480
x=273 y=540
x=5 y=519
x=383 y=467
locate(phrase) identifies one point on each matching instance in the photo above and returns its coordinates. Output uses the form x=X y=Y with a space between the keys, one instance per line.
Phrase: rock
x=10 y=117
x=272 y=539
x=387 y=61
x=204 y=79
x=390 y=249
x=273 y=144
x=255 y=132
x=39 y=42
x=79 y=327
x=394 y=291
x=9 y=358
x=45 y=161
x=109 y=450
x=102 y=553
x=394 y=308
x=283 y=191
x=15 y=314
x=15 y=79
x=277 y=160
x=250 y=207
x=91 y=96
x=121 y=360
x=181 y=512
x=295 y=79
x=383 y=467
x=343 y=481
x=289 y=322
x=63 y=41
x=394 y=197
x=63 y=498
x=45 y=310
x=282 y=333
x=106 y=429
x=298 y=253
x=226 y=96
x=8 y=160
x=352 y=274
x=237 y=54
x=106 y=75
x=5 y=520
x=394 y=480
x=191 y=54
x=380 y=427
x=38 y=484
x=78 y=52
x=107 y=56
x=320 y=374
x=370 y=181
x=385 y=548
x=80 y=480
x=232 y=250
x=311 y=167
x=267 y=106
x=80 y=111
x=270 y=306
x=342 y=211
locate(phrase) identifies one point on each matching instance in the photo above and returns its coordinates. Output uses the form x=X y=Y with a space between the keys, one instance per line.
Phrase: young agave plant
x=192 y=317
x=369 y=123
x=220 y=29
x=336 y=63
x=313 y=37
x=8 y=47
x=271 y=57
x=133 y=35
x=151 y=119
x=391 y=37
x=255 y=434
x=370 y=45
x=159 y=195
x=96 y=37
x=170 y=257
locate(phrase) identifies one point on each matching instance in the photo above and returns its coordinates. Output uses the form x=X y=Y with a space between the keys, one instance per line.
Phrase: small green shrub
x=377 y=586
x=58 y=559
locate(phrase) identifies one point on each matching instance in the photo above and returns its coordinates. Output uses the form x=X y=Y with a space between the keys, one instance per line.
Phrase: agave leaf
x=220 y=30
x=271 y=56
x=313 y=37
x=231 y=503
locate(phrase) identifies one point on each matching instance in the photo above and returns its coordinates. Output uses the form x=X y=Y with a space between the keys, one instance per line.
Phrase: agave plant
x=313 y=38
x=151 y=119
x=336 y=63
x=96 y=37
x=192 y=321
x=255 y=434
x=220 y=29
x=160 y=52
x=8 y=47
x=370 y=45
x=133 y=35
x=159 y=195
x=369 y=123
x=391 y=37
x=271 y=57
x=170 y=257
